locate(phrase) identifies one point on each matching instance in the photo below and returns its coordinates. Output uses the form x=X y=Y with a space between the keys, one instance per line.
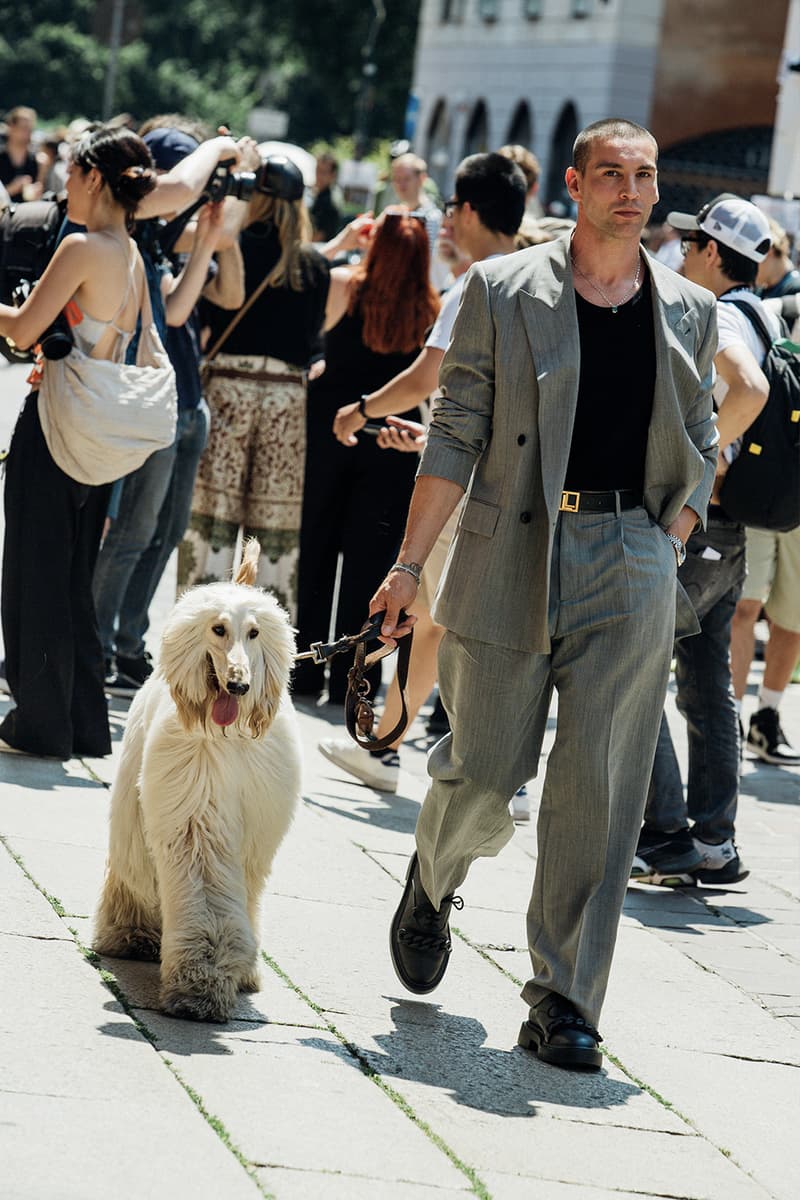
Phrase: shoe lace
x=434 y=934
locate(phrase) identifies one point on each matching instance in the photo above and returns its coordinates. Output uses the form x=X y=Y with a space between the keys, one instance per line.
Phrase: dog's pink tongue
x=225 y=709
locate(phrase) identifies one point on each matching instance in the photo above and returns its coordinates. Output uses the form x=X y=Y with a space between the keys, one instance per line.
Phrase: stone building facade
x=702 y=74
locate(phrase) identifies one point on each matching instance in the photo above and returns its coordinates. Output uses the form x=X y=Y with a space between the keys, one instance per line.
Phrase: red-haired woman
x=356 y=497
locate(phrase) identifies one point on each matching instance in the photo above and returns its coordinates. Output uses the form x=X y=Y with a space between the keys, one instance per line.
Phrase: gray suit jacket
x=503 y=431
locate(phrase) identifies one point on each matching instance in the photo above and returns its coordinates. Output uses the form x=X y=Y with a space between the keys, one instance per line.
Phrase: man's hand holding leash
x=398 y=591
x=432 y=502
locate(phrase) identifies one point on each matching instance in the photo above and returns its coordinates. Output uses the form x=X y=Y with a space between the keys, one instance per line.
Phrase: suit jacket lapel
x=548 y=313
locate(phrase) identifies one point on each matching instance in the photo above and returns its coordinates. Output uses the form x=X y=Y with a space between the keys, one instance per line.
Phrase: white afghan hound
x=207 y=785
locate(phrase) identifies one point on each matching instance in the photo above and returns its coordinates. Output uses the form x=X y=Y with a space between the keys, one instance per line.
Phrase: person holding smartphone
x=356 y=497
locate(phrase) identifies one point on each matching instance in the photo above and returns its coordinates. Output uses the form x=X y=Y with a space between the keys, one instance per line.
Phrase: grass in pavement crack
x=53 y=901
x=218 y=1127
x=113 y=986
x=216 y=1124
x=478 y=1187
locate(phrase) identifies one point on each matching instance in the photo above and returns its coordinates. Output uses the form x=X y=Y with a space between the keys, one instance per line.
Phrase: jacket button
x=525 y=518
x=521 y=440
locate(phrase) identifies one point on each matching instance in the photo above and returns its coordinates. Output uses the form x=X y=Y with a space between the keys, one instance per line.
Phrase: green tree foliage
x=215 y=59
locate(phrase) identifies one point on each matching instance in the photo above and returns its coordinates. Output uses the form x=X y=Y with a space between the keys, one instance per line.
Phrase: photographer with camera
x=54 y=661
x=251 y=474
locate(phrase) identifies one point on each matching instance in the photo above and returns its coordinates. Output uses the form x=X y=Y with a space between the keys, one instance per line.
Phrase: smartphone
x=372 y=428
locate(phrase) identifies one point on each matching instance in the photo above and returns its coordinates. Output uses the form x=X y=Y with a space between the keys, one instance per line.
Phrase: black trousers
x=54 y=660
x=355 y=501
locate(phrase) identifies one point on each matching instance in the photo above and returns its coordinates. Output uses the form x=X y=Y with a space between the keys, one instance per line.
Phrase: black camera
x=28 y=236
x=277 y=176
x=57 y=339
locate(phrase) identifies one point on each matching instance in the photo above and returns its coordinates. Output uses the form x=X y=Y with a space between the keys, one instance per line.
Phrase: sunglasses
x=686 y=242
x=451 y=205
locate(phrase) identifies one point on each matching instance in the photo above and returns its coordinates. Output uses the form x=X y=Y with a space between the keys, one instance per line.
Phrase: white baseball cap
x=734 y=222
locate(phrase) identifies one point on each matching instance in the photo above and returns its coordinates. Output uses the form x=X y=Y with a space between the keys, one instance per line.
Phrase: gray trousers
x=611 y=616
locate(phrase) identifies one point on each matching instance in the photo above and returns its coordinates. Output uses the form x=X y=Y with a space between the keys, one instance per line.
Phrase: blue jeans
x=705 y=695
x=128 y=537
x=190 y=442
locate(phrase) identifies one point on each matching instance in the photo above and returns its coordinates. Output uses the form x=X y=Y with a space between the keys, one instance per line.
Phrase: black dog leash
x=358 y=710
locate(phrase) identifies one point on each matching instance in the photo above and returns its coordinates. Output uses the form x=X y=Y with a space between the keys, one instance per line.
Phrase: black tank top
x=352 y=369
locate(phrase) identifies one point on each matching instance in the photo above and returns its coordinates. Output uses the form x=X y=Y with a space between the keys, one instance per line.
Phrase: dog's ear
x=276 y=645
x=184 y=663
x=248 y=571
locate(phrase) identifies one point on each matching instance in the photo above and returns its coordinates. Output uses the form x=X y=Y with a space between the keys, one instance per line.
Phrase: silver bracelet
x=410 y=569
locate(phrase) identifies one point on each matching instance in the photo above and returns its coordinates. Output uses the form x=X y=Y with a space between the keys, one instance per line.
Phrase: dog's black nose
x=238 y=689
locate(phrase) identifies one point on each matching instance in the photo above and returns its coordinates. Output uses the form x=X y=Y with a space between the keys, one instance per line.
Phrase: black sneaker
x=721 y=863
x=665 y=859
x=767 y=741
x=135 y=668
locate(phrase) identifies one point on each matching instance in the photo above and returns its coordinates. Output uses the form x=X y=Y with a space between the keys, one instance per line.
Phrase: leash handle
x=358 y=710
x=320 y=652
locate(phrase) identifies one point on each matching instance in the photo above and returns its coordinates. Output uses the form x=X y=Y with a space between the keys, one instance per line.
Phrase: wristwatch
x=679 y=548
x=362 y=400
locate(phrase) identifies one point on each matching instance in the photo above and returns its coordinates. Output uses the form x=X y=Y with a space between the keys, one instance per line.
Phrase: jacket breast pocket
x=480 y=517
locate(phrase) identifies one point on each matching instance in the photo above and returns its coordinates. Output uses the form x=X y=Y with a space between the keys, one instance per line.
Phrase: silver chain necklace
x=614 y=307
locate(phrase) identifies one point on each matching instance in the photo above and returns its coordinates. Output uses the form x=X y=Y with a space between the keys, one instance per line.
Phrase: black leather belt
x=599 y=501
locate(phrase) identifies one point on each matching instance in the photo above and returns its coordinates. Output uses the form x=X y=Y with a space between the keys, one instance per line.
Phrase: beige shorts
x=773 y=575
x=434 y=566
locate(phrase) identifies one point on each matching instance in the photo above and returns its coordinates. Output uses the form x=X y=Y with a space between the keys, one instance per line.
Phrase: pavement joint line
x=692 y=1128
x=478 y=1187
x=53 y=901
x=113 y=985
x=645 y=1087
x=771 y=1062
x=110 y=981
x=217 y=1125
x=331 y=1174
x=44 y=937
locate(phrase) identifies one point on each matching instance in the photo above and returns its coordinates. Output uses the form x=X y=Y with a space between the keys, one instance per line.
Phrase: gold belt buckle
x=570 y=502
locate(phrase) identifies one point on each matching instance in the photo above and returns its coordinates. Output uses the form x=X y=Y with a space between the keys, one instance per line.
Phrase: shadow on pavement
x=385 y=811
x=445 y=1051
x=679 y=908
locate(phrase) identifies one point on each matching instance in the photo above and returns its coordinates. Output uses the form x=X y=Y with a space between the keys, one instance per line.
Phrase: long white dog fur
x=207 y=785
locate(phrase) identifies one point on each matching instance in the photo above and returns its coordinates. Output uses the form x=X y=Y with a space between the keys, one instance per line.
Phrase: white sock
x=737 y=704
x=769 y=698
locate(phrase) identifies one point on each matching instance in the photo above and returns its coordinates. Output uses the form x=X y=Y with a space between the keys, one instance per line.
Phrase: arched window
x=564 y=134
x=520 y=131
x=437 y=145
x=476 y=140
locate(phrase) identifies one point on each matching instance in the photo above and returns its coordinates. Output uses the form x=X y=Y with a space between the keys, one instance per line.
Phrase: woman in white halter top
x=54 y=661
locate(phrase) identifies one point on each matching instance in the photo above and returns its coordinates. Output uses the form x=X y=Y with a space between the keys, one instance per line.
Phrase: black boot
x=558 y=1034
x=420 y=935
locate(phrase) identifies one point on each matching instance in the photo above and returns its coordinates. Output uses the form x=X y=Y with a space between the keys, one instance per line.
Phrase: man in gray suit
x=577 y=414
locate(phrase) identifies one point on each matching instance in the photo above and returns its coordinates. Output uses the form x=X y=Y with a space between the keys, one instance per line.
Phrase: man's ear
x=572 y=180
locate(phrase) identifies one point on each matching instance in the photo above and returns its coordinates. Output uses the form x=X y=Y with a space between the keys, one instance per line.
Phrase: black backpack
x=762 y=485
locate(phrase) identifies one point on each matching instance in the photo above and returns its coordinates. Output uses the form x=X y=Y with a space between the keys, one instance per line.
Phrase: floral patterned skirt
x=250 y=479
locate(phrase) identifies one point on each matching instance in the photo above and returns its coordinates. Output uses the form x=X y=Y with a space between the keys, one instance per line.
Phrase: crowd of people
x=405 y=407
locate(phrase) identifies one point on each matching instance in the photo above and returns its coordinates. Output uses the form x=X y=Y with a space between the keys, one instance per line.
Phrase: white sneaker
x=379 y=772
x=715 y=857
x=521 y=805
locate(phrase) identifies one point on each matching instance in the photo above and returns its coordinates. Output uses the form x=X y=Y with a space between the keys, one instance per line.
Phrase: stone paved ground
x=332 y=1082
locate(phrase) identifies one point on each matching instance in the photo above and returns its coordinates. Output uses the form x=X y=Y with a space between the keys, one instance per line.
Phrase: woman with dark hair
x=54 y=660
x=250 y=478
x=356 y=497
